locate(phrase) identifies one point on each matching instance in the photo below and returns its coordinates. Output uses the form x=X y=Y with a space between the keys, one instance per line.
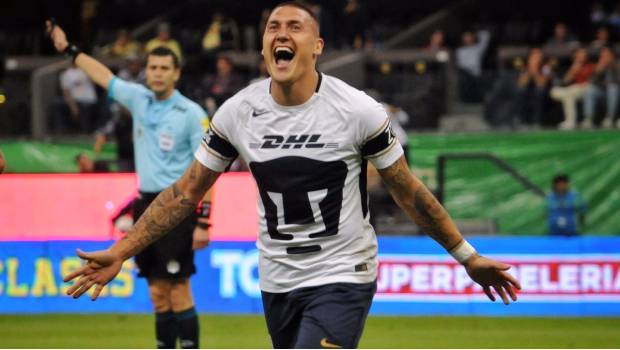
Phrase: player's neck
x=164 y=95
x=296 y=93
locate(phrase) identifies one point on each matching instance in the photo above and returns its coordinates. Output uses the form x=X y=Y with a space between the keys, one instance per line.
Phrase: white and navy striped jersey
x=309 y=162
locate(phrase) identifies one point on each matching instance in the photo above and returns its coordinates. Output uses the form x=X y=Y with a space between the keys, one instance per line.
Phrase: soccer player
x=307 y=138
x=167 y=130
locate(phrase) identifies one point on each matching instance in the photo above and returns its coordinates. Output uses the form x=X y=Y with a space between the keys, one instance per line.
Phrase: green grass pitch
x=220 y=331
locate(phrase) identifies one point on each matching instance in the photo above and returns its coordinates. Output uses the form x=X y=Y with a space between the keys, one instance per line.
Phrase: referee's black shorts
x=170 y=257
x=327 y=316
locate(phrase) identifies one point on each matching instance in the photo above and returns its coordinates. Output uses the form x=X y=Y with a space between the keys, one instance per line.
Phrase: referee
x=167 y=130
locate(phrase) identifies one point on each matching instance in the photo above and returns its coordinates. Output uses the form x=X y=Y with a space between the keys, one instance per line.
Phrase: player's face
x=161 y=75
x=291 y=44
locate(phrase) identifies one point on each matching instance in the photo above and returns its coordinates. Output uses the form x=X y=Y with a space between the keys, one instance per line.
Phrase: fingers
x=97 y=291
x=508 y=277
x=487 y=291
x=79 y=272
x=84 y=288
x=510 y=291
x=84 y=255
x=82 y=281
x=500 y=291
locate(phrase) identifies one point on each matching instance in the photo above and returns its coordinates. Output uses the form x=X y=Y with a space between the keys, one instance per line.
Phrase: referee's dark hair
x=164 y=51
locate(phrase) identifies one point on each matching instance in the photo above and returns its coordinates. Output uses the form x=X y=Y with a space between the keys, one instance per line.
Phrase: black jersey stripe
x=303 y=250
x=380 y=142
x=221 y=145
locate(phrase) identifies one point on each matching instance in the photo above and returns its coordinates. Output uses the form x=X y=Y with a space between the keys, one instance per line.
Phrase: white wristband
x=463 y=252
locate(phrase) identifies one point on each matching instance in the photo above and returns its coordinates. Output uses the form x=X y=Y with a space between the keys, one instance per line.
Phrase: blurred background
x=507 y=110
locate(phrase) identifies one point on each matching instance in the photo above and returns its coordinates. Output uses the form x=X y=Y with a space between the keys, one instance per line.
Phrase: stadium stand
x=393 y=62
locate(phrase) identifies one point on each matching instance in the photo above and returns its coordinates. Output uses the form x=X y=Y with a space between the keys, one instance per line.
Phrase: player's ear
x=318 y=47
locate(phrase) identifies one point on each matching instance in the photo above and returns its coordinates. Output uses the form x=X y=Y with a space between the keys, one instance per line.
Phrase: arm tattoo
x=420 y=204
x=170 y=207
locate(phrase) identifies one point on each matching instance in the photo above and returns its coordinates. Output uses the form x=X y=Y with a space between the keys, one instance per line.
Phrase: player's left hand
x=201 y=238
x=492 y=274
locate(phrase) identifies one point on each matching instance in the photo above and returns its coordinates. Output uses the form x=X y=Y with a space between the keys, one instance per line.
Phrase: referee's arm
x=99 y=73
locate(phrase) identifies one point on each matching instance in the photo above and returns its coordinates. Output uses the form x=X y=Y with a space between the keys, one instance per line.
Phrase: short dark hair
x=164 y=51
x=560 y=178
x=79 y=156
x=300 y=5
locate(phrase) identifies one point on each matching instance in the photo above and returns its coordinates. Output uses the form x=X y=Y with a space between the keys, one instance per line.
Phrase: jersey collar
x=318 y=83
x=301 y=106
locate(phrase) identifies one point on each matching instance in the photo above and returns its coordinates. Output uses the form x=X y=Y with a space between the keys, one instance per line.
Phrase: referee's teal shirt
x=165 y=133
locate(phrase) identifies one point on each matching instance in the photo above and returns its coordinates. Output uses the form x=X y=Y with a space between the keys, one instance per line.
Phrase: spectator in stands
x=80 y=98
x=355 y=22
x=614 y=21
x=222 y=34
x=262 y=72
x=565 y=208
x=133 y=71
x=597 y=14
x=225 y=83
x=262 y=23
x=120 y=125
x=561 y=37
x=436 y=41
x=469 y=62
x=603 y=83
x=164 y=39
x=398 y=118
x=123 y=46
x=2 y=162
x=119 y=128
x=326 y=23
x=574 y=84
x=87 y=165
x=436 y=45
x=533 y=88
x=601 y=39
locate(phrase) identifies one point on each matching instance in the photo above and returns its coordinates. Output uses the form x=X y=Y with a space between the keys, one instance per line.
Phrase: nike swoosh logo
x=256 y=113
x=327 y=345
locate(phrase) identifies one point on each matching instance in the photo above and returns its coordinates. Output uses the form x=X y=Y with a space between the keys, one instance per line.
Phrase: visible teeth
x=284 y=49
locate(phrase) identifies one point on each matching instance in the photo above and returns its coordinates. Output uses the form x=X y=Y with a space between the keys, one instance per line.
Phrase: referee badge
x=173 y=267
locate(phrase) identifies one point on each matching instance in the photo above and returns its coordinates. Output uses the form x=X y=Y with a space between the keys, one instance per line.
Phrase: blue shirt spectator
x=565 y=209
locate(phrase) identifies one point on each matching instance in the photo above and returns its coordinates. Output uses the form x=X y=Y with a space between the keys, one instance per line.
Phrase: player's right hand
x=57 y=35
x=101 y=267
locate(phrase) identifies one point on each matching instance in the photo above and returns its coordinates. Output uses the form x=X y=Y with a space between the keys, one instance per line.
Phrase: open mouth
x=283 y=56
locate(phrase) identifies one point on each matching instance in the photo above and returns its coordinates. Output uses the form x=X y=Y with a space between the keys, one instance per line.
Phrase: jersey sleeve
x=216 y=150
x=124 y=92
x=378 y=143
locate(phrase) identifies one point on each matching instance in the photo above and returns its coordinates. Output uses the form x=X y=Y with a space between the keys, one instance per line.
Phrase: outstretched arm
x=99 y=73
x=167 y=210
x=422 y=206
x=171 y=207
